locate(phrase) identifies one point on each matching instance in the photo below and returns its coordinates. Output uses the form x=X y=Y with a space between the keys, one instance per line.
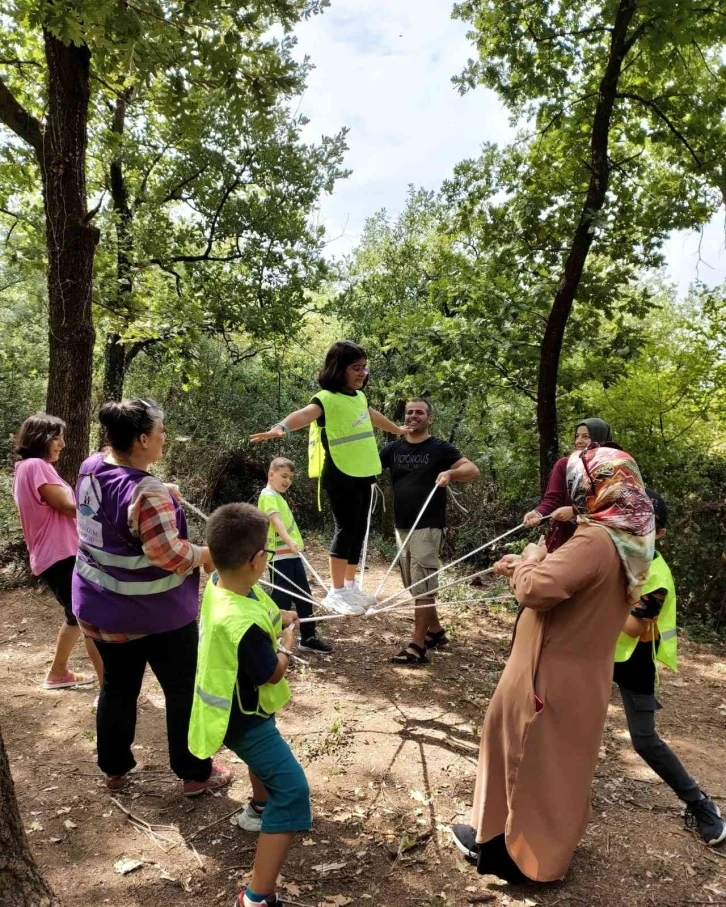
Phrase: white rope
x=406 y=540
x=196 y=510
x=456 y=500
x=463 y=601
x=288 y=580
x=454 y=563
x=448 y=585
x=264 y=582
x=364 y=555
x=401 y=607
x=313 y=571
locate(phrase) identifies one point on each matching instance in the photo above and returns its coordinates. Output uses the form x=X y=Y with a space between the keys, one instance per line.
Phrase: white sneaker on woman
x=343 y=601
x=363 y=598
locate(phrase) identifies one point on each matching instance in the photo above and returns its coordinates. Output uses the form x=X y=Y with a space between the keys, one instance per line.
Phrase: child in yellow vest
x=344 y=455
x=287 y=570
x=650 y=636
x=240 y=685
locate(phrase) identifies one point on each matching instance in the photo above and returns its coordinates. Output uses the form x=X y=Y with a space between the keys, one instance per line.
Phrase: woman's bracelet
x=284 y=428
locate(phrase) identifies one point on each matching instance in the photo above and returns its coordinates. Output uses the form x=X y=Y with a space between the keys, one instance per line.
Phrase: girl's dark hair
x=337 y=359
x=36 y=433
x=125 y=422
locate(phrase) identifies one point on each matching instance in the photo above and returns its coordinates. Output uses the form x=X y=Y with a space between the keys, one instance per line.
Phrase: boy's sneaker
x=705 y=817
x=315 y=644
x=271 y=900
x=249 y=819
x=218 y=778
x=343 y=601
x=364 y=598
x=464 y=838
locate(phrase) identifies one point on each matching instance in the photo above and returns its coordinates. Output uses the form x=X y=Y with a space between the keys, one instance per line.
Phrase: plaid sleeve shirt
x=152 y=519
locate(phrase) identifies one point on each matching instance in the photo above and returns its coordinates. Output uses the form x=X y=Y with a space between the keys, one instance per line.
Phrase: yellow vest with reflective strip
x=659 y=577
x=271 y=501
x=350 y=436
x=225 y=618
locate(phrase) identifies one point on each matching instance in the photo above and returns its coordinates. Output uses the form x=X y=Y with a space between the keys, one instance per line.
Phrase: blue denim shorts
x=269 y=757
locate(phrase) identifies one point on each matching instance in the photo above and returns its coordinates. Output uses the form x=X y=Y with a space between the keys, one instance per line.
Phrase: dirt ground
x=390 y=753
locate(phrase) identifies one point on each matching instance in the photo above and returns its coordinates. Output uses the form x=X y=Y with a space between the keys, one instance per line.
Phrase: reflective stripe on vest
x=123 y=587
x=127 y=562
x=217 y=702
x=659 y=577
x=348 y=438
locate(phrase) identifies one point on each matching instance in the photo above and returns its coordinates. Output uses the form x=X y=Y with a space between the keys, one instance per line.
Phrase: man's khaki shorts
x=420 y=560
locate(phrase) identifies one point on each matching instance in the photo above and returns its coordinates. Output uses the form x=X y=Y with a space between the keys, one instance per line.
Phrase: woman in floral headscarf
x=545 y=721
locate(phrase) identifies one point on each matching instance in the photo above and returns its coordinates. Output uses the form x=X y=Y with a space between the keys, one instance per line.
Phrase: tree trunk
x=582 y=240
x=114 y=367
x=71 y=245
x=116 y=360
x=21 y=884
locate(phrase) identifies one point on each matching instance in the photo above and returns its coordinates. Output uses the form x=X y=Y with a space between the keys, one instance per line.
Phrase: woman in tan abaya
x=544 y=725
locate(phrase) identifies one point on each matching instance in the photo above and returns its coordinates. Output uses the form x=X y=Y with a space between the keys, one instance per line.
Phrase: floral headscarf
x=607 y=490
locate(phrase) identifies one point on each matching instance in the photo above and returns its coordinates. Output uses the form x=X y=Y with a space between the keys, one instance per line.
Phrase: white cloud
x=383 y=68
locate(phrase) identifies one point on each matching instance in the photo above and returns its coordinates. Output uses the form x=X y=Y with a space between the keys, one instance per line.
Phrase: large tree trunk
x=582 y=240
x=21 y=884
x=71 y=245
x=116 y=359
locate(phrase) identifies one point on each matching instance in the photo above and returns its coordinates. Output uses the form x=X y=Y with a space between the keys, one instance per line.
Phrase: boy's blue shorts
x=269 y=756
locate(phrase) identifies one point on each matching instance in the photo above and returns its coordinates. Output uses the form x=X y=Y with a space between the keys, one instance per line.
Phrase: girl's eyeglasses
x=360 y=369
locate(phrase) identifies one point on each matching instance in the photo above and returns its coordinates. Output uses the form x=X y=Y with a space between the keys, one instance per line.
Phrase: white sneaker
x=363 y=598
x=343 y=601
x=249 y=819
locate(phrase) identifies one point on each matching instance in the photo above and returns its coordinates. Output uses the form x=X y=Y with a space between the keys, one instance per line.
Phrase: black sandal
x=437 y=640
x=406 y=657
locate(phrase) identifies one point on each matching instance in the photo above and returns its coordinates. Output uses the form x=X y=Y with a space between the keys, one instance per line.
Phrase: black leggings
x=350 y=498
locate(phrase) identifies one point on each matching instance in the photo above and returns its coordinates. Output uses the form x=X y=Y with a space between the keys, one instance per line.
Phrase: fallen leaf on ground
x=124 y=867
x=69 y=824
x=328 y=867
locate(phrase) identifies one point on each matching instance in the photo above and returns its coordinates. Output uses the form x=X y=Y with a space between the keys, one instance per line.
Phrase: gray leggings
x=640 y=709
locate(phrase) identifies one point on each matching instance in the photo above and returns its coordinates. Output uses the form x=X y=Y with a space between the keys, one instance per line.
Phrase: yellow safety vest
x=659 y=577
x=350 y=436
x=225 y=619
x=273 y=502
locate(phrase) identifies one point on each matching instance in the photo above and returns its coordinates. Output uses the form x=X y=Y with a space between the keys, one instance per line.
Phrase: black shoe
x=705 y=817
x=315 y=644
x=464 y=838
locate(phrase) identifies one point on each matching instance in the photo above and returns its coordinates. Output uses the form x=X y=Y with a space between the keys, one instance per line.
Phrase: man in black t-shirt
x=417 y=462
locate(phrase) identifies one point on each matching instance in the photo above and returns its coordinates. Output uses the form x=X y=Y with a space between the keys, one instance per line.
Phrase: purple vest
x=115 y=586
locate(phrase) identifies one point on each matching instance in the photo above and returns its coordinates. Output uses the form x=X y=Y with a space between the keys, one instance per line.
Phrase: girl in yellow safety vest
x=649 y=636
x=343 y=454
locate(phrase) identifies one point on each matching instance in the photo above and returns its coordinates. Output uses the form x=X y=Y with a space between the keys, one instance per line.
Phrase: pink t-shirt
x=49 y=535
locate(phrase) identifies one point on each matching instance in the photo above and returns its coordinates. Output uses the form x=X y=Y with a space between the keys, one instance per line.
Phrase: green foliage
x=204 y=187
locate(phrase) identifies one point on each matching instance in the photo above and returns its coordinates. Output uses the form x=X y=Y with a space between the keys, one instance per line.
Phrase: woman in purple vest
x=136 y=592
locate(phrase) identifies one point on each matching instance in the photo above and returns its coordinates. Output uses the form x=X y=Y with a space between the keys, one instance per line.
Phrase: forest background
x=523 y=294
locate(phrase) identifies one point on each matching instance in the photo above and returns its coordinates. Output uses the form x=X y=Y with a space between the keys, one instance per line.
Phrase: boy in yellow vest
x=240 y=685
x=287 y=570
x=650 y=636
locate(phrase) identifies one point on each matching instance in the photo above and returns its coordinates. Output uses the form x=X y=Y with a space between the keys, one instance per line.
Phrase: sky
x=383 y=68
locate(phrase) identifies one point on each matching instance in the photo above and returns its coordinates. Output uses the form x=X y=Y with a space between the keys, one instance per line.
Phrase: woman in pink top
x=47 y=510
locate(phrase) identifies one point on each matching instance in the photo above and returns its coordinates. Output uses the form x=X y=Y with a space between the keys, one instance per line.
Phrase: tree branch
x=17 y=118
x=175 y=193
x=651 y=105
